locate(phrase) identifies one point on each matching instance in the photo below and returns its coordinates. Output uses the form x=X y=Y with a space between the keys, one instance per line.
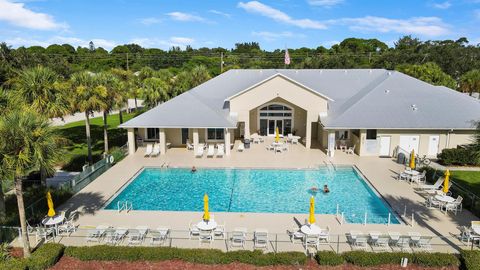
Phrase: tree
x=125 y=84
x=27 y=143
x=87 y=97
x=470 y=81
x=430 y=73
x=42 y=89
x=110 y=85
x=154 y=91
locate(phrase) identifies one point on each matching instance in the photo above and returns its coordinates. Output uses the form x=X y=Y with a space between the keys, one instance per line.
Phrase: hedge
x=470 y=260
x=329 y=258
x=44 y=257
x=457 y=156
x=363 y=258
x=203 y=256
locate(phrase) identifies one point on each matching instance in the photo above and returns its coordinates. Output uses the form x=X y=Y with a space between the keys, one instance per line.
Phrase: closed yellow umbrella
x=412 y=160
x=445 y=182
x=206 y=214
x=311 y=217
x=277 y=135
x=51 y=210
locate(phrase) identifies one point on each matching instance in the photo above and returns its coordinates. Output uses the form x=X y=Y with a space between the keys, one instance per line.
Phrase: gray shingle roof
x=361 y=98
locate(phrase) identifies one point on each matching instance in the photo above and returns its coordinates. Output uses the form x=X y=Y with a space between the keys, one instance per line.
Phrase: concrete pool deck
x=381 y=172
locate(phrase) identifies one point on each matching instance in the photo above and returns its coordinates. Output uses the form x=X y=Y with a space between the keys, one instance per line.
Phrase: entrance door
x=385 y=146
x=433 y=145
x=273 y=124
x=184 y=135
x=409 y=143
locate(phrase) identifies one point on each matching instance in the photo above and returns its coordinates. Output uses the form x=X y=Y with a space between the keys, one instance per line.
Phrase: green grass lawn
x=468 y=179
x=76 y=148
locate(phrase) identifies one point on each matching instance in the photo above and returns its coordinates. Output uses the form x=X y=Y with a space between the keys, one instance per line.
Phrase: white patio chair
x=424 y=243
x=48 y=234
x=270 y=147
x=351 y=150
x=260 y=239
x=403 y=176
x=219 y=231
x=156 y=150
x=403 y=242
x=190 y=146
x=361 y=242
x=454 y=206
x=312 y=241
x=205 y=237
x=238 y=238
x=148 y=150
x=241 y=147
x=294 y=140
x=431 y=202
x=296 y=234
x=69 y=225
x=324 y=235
x=211 y=150
x=220 y=151
x=382 y=242
x=261 y=139
x=256 y=140
x=193 y=230
x=466 y=234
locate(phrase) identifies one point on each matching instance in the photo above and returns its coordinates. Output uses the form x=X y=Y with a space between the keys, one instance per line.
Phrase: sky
x=222 y=23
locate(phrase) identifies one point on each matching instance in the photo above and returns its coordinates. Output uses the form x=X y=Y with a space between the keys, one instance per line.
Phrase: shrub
x=4 y=252
x=457 y=156
x=45 y=256
x=362 y=258
x=470 y=260
x=435 y=259
x=329 y=258
x=203 y=256
x=13 y=264
x=117 y=153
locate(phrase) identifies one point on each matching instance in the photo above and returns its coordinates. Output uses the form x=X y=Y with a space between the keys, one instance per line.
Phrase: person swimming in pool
x=194 y=169
x=326 y=189
x=314 y=189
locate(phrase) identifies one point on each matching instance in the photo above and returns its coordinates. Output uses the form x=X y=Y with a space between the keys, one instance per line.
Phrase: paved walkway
x=381 y=172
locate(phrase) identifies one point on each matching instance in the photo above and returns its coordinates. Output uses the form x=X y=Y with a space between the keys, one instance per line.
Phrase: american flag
x=287 y=57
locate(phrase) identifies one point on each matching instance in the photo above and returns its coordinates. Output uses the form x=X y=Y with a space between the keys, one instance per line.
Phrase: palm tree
x=470 y=81
x=110 y=85
x=154 y=91
x=126 y=83
x=27 y=143
x=43 y=90
x=87 y=97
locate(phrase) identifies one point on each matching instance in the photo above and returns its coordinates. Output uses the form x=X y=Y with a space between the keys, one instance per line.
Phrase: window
x=275 y=107
x=371 y=134
x=341 y=134
x=215 y=134
x=153 y=133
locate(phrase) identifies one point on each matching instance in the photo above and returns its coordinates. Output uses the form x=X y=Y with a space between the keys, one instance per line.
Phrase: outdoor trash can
x=401 y=158
x=246 y=143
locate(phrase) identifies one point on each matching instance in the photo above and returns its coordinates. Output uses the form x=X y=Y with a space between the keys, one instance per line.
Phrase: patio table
x=53 y=221
x=311 y=229
x=207 y=225
x=444 y=198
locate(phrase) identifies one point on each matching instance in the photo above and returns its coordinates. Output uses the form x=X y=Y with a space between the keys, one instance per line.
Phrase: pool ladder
x=124 y=206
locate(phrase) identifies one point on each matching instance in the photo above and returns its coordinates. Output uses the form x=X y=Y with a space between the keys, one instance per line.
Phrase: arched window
x=276 y=110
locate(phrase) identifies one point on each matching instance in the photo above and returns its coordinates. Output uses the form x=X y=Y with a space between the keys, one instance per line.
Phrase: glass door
x=271 y=126
x=280 y=126
x=263 y=127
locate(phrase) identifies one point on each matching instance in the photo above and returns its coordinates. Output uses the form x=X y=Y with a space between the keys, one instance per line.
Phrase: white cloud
x=227 y=15
x=425 y=26
x=443 y=5
x=150 y=21
x=185 y=17
x=325 y=3
x=271 y=36
x=279 y=16
x=17 y=14
x=18 y=41
x=181 y=42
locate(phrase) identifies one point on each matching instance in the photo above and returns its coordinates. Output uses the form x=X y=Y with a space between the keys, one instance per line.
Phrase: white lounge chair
x=96 y=234
x=351 y=150
x=143 y=230
x=159 y=236
x=403 y=242
x=199 y=152
x=189 y=146
x=260 y=239
x=156 y=150
x=432 y=187
x=148 y=150
x=117 y=236
x=238 y=238
x=211 y=150
x=325 y=235
x=382 y=243
x=424 y=243
x=220 y=151
x=134 y=237
x=241 y=147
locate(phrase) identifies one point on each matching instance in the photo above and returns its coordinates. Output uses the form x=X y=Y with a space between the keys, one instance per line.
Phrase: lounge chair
x=466 y=234
x=361 y=241
x=143 y=230
x=193 y=230
x=199 y=152
x=260 y=239
x=219 y=231
x=96 y=234
x=238 y=238
x=382 y=242
x=296 y=234
x=403 y=242
x=190 y=146
x=220 y=151
x=432 y=187
x=241 y=147
x=149 y=150
x=211 y=150
x=205 y=237
x=159 y=236
x=351 y=150
x=117 y=236
x=424 y=243
x=156 y=150
x=134 y=237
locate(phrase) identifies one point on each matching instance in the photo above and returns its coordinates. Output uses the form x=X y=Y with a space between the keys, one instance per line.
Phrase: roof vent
x=370 y=71
x=389 y=73
x=414 y=107
x=345 y=71
x=387 y=91
x=321 y=71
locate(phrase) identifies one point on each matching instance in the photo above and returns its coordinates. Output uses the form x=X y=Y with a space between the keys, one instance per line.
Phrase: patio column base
x=163 y=144
x=131 y=141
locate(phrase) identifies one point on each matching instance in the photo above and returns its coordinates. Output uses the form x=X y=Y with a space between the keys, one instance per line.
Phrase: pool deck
x=381 y=172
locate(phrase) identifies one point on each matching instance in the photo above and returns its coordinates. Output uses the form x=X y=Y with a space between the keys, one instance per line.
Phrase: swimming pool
x=255 y=190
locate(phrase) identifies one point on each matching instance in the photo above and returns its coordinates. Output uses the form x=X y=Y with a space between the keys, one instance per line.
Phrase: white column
x=226 y=135
x=247 y=128
x=331 y=143
x=131 y=141
x=163 y=142
x=308 y=134
x=195 y=140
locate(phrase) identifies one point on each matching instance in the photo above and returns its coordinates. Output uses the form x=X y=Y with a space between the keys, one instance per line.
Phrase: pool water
x=256 y=190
